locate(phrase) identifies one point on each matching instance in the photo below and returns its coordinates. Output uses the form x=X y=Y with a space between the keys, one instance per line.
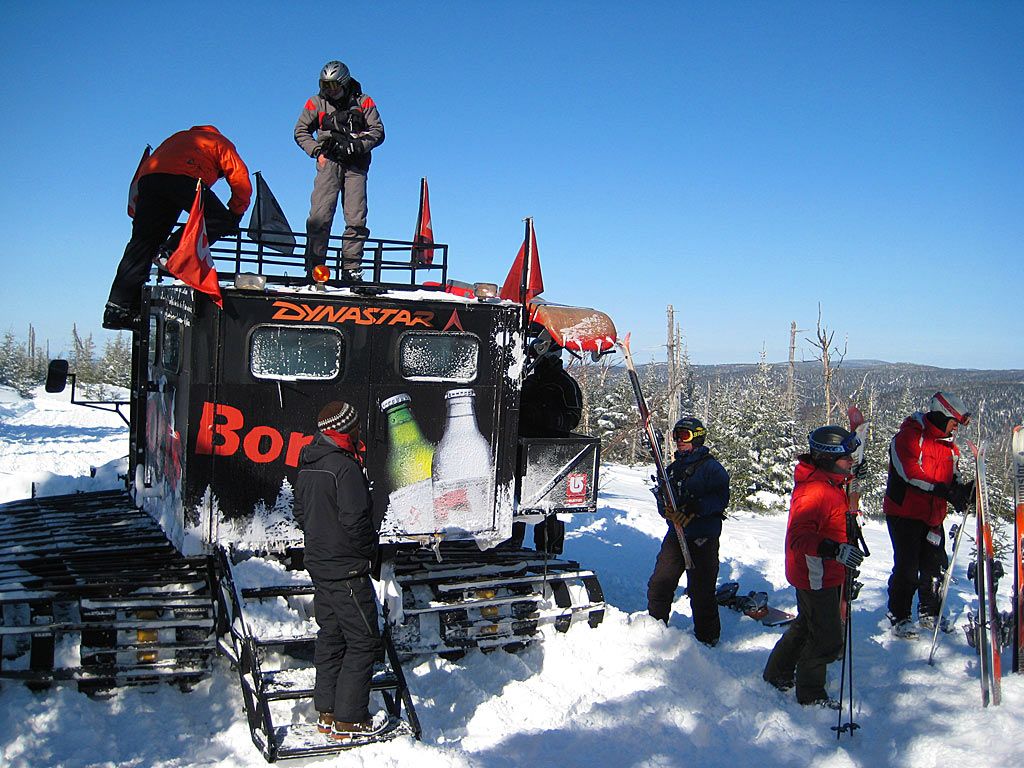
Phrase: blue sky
x=741 y=161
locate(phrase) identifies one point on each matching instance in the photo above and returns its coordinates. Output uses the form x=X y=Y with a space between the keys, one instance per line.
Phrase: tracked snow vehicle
x=202 y=549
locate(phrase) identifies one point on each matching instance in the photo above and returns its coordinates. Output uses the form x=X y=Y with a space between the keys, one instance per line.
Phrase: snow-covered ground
x=630 y=693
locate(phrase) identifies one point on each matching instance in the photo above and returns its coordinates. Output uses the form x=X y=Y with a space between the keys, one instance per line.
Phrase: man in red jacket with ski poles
x=922 y=479
x=817 y=556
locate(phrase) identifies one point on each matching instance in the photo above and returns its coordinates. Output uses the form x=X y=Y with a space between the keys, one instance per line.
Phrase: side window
x=154 y=338
x=170 y=354
x=439 y=356
x=289 y=352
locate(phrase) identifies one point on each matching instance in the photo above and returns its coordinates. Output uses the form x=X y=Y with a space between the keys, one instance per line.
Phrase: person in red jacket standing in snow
x=922 y=479
x=817 y=556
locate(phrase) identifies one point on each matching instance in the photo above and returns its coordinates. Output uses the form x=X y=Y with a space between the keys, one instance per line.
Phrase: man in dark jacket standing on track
x=347 y=127
x=817 y=556
x=334 y=510
x=701 y=487
x=922 y=479
x=166 y=187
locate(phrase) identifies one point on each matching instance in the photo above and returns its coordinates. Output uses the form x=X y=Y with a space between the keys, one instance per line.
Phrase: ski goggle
x=688 y=435
x=850 y=444
x=330 y=86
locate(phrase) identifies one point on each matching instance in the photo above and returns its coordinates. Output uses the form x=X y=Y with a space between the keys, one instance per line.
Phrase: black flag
x=267 y=222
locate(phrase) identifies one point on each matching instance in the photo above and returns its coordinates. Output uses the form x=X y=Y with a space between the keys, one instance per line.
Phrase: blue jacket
x=701 y=486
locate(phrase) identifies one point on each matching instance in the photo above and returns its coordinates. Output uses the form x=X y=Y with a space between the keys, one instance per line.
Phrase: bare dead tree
x=791 y=375
x=827 y=356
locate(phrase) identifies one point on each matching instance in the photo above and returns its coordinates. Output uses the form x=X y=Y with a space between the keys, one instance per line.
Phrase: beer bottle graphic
x=462 y=465
x=410 y=458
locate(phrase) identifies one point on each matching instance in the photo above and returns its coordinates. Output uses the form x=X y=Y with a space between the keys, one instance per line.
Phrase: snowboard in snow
x=753 y=604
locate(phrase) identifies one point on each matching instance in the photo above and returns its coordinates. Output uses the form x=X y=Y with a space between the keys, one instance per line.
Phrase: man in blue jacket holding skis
x=701 y=487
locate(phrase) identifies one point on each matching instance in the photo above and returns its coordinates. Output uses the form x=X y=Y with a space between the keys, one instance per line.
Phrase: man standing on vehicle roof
x=922 y=479
x=341 y=534
x=167 y=186
x=817 y=556
x=347 y=127
x=701 y=487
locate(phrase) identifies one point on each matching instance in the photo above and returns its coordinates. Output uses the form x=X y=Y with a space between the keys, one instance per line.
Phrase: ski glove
x=861 y=470
x=846 y=554
x=340 y=150
x=336 y=121
x=958 y=494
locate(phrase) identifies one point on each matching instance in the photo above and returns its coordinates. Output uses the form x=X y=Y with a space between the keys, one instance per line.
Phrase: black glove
x=960 y=494
x=336 y=121
x=341 y=150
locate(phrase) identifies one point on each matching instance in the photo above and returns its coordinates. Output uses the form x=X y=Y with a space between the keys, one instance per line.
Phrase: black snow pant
x=162 y=198
x=700 y=584
x=331 y=180
x=809 y=645
x=918 y=565
x=347 y=645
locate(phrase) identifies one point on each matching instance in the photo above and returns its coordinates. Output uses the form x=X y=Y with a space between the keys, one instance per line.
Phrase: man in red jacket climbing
x=167 y=186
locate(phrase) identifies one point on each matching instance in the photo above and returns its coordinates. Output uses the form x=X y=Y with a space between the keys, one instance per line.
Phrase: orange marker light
x=321 y=273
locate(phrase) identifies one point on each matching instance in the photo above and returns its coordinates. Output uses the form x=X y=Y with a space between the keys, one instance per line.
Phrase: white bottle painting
x=462 y=467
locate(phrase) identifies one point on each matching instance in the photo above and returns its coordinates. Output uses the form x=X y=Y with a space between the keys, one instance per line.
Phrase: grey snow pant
x=809 y=645
x=331 y=180
x=347 y=645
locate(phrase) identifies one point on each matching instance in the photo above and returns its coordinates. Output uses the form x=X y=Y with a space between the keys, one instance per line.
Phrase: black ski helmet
x=830 y=443
x=333 y=77
x=691 y=430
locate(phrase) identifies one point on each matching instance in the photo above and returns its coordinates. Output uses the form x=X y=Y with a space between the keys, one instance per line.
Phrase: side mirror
x=57 y=376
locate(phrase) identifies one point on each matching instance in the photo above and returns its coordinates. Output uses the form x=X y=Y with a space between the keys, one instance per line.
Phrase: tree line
x=23 y=364
x=758 y=422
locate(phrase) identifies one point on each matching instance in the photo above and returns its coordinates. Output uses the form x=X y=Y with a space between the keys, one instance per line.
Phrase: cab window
x=289 y=352
x=439 y=356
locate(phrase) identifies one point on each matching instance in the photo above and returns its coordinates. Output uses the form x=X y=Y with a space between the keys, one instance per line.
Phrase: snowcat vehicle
x=201 y=552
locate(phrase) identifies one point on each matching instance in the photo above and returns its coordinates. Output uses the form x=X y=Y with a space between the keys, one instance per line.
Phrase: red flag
x=516 y=287
x=424 y=230
x=192 y=262
x=133 y=188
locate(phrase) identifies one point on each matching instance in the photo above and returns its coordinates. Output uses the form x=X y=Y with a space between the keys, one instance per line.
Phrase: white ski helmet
x=950 y=406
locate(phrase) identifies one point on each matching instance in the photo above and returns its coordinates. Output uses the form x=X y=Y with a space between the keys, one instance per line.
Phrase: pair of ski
x=987 y=634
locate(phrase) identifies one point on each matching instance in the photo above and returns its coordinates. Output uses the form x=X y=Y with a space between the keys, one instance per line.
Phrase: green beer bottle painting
x=410 y=457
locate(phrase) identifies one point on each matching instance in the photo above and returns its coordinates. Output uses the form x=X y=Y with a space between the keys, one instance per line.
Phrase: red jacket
x=817 y=511
x=203 y=153
x=919 y=457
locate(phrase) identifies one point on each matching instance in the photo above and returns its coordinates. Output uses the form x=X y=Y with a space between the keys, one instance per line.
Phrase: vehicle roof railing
x=394 y=264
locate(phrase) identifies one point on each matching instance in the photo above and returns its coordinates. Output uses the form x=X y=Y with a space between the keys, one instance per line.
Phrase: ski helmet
x=689 y=429
x=830 y=443
x=333 y=77
x=950 y=406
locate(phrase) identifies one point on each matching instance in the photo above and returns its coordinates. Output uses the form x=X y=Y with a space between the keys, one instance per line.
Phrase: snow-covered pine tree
x=770 y=453
x=115 y=367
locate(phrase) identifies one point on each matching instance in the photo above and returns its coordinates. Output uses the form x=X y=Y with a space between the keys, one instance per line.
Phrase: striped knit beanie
x=338 y=416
